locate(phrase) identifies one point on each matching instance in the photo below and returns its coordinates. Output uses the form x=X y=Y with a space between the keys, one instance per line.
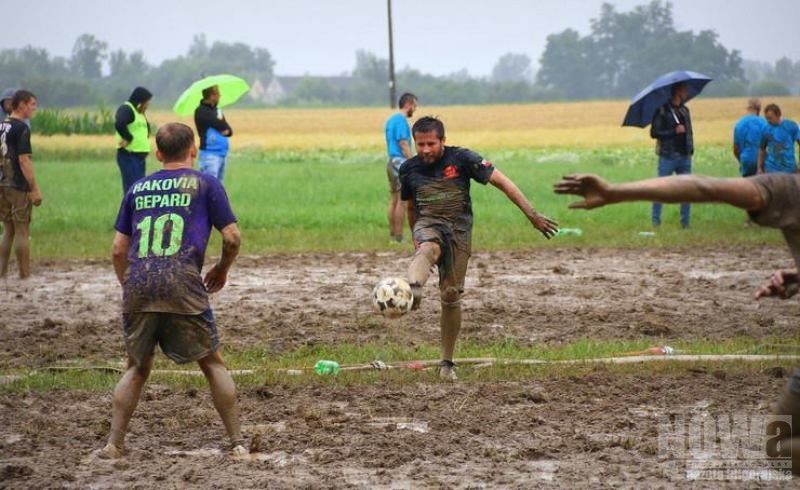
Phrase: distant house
x=280 y=88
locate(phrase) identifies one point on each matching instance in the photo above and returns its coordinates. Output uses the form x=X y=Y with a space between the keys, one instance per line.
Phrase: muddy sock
x=450 y=323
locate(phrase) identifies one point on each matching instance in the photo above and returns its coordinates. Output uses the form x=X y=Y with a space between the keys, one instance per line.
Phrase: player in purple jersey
x=163 y=227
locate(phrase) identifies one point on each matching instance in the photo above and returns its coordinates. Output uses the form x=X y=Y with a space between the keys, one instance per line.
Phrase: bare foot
x=239 y=451
x=110 y=451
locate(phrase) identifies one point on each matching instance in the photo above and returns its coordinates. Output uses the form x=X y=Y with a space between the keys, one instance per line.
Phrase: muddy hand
x=215 y=279
x=783 y=284
x=592 y=188
x=545 y=225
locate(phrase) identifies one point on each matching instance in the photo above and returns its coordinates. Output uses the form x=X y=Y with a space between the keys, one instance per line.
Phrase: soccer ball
x=392 y=297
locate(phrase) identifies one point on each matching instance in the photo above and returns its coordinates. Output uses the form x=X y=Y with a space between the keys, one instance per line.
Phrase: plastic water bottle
x=324 y=367
x=569 y=231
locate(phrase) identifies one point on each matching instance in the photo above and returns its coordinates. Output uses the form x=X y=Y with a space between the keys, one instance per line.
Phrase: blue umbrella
x=645 y=103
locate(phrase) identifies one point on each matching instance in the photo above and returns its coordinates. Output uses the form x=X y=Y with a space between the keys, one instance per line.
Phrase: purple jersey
x=169 y=216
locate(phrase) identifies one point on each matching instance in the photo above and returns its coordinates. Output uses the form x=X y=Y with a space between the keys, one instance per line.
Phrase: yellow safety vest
x=139 y=130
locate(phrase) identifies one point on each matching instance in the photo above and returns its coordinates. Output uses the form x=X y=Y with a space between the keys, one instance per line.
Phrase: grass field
x=336 y=201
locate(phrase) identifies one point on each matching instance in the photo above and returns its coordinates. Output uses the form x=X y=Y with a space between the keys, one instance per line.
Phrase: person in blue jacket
x=777 y=143
x=214 y=132
x=747 y=138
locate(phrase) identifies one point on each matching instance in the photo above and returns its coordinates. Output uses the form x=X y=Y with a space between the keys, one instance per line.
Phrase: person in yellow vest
x=133 y=133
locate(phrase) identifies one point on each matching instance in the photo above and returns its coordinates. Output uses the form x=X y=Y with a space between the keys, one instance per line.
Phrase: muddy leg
x=126 y=397
x=22 y=248
x=223 y=392
x=5 y=246
x=419 y=270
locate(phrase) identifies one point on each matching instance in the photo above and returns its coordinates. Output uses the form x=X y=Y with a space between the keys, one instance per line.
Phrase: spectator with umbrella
x=204 y=99
x=663 y=105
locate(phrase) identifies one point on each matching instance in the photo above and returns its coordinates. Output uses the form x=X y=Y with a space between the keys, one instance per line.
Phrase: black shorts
x=183 y=338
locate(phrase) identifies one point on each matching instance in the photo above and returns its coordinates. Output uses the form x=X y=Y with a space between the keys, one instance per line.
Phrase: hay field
x=547 y=125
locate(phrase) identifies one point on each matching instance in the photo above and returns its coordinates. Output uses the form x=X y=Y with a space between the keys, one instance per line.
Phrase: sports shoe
x=447 y=370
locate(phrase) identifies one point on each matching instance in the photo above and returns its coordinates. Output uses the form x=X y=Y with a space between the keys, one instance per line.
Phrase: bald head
x=175 y=142
x=754 y=105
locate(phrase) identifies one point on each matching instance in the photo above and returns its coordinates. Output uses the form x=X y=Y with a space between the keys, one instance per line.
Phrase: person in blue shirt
x=747 y=138
x=777 y=143
x=214 y=132
x=398 y=144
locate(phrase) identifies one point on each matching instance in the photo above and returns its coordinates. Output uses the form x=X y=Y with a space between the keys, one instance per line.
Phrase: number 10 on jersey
x=151 y=239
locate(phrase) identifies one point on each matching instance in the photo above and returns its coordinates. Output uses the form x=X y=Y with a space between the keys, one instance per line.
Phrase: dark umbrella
x=646 y=102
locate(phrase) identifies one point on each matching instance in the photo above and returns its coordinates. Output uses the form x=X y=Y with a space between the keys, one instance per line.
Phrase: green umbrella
x=231 y=89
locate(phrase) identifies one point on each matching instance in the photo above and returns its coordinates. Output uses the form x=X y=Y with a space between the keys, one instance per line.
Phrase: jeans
x=679 y=165
x=131 y=167
x=212 y=164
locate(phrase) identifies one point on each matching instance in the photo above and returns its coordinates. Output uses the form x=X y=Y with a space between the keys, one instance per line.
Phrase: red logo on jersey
x=450 y=172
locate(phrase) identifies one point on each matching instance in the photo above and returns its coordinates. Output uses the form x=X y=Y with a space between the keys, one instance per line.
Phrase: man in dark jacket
x=672 y=130
x=133 y=133
x=214 y=132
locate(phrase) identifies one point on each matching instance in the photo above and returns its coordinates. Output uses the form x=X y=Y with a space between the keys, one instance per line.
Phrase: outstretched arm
x=545 y=225
x=677 y=189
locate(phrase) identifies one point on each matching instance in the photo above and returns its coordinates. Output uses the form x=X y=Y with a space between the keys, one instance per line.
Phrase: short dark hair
x=405 y=99
x=773 y=108
x=174 y=141
x=21 y=97
x=208 y=91
x=427 y=124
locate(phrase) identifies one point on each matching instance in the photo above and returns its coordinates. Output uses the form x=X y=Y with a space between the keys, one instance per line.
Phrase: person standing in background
x=747 y=138
x=6 y=98
x=672 y=129
x=777 y=143
x=398 y=144
x=214 y=131
x=133 y=133
x=19 y=191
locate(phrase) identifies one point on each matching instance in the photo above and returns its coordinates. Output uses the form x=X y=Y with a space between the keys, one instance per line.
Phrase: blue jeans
x=131 y=167
x=679 y=165
x=212 y=164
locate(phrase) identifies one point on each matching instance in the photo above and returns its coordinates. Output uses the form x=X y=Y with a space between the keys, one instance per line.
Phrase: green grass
x=336 y=202
x=268 y=367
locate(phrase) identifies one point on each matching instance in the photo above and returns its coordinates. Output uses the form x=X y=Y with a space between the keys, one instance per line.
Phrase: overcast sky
x=435 y=36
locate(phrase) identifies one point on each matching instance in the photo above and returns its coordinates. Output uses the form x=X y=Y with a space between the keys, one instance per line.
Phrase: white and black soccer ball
x=392 y=297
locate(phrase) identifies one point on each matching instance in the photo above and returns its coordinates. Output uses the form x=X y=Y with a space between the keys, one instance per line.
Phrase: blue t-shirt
x=397 y=130
x=747 y=136
x=779 y=141
x=169 y=215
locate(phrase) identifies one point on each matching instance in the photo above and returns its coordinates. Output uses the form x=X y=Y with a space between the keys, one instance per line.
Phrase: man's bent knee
x=450 y=296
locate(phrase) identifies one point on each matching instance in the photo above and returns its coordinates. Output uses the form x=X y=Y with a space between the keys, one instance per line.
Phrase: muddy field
x=587 y=431
x=70 y=310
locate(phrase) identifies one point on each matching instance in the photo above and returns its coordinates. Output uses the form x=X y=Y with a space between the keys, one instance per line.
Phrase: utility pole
x=392 y=89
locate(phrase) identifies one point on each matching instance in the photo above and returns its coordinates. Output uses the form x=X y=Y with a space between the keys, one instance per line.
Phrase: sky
x=320 y=37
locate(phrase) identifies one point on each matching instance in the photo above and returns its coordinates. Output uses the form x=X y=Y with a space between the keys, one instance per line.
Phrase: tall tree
x=512 y=67
x=88 y=55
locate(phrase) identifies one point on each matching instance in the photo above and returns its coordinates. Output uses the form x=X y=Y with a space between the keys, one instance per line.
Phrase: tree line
x=621 y=54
